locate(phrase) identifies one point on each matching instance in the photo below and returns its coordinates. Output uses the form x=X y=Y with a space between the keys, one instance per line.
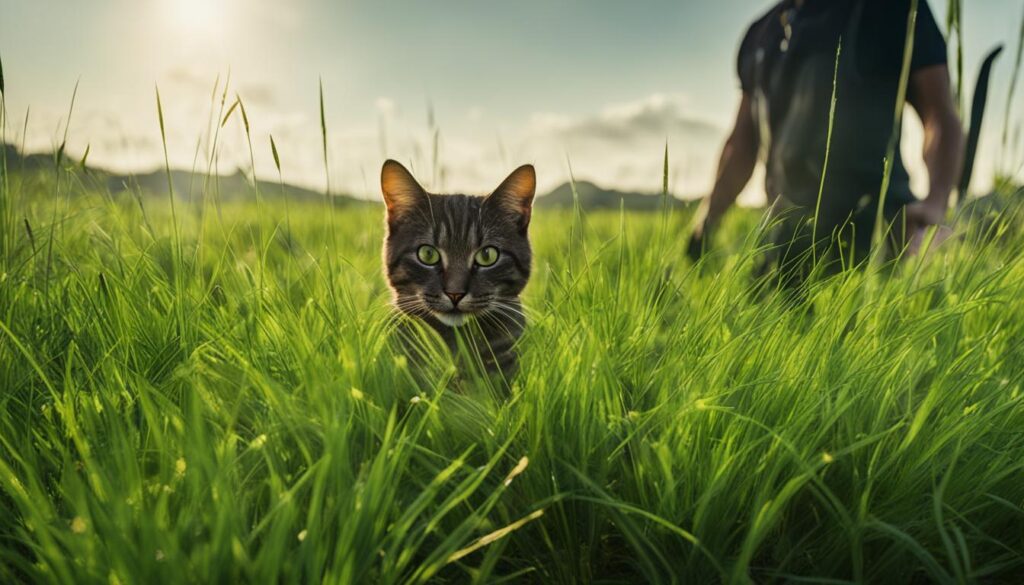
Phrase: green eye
x=486 y=256
x=428 y=255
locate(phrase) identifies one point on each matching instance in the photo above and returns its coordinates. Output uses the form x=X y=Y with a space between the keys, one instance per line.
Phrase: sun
x=195 y=17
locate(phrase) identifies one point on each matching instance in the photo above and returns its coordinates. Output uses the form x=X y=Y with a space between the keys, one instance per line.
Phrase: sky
x=592 y=87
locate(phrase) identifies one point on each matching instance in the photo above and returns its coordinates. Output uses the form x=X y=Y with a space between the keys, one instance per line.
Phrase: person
x=820 y=80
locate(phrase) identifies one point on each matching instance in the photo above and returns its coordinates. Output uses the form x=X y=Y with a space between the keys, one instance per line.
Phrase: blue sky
x=600 y=83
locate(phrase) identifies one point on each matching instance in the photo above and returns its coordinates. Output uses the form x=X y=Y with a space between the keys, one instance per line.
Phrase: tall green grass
x=202 y=400
x=207 y=393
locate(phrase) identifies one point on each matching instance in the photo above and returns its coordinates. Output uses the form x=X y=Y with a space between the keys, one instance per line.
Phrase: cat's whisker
x=434 y=247
x=514 y=307
x=500 y=312
x=506 y=324
x=502 y=326
x=509 y=309
x=411 y=307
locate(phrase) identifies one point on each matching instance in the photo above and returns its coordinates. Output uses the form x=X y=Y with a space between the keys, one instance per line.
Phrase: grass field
x=207 y=394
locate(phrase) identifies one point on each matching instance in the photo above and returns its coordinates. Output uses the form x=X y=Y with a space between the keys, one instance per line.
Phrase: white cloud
x=621 y=146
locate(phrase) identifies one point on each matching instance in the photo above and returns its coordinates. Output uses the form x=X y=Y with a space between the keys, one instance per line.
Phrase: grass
x=204 y=391
x=214 y=399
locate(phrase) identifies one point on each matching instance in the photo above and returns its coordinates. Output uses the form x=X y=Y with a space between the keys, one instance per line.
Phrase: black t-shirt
x=787 y=63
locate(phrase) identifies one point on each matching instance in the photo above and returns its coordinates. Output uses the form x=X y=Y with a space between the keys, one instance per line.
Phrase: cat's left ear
x=515 y=195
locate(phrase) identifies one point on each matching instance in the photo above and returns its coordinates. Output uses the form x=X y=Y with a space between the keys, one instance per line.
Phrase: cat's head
x=448 y=257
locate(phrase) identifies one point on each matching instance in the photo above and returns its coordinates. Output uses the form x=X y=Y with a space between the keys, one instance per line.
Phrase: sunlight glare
x=195 y=17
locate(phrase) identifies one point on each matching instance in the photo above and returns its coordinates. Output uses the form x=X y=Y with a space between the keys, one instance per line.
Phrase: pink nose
x=455 y=297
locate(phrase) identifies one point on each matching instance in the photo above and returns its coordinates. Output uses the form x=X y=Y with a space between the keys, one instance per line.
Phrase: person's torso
x=800 y=60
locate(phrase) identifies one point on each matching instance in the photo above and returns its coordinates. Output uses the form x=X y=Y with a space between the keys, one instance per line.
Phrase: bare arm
x=736 y=165
x=930 y=95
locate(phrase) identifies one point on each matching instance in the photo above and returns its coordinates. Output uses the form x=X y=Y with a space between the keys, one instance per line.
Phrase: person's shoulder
x=883 y=34
x=767 y=17
x=755 y=38
x=759 y=24
x=895 y=11
x=771 y=12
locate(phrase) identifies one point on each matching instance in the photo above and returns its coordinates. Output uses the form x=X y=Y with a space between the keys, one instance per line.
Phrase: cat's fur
x=489 y=316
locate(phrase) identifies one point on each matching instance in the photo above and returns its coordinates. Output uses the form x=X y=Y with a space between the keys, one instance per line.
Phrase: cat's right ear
x=401 y=191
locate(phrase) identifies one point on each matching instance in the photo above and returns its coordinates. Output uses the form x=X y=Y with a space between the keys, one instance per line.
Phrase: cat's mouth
x=451 y=318
x=453 y=314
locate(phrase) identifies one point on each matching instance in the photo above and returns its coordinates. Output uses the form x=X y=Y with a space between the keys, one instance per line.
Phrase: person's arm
x=736 y=165
x=930 y=94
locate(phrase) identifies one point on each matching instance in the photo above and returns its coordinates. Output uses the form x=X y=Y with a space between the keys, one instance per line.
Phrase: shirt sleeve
x=883 y=37
x=929 y=44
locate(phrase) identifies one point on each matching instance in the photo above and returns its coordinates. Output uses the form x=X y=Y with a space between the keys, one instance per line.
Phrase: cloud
x=655 y=117
x=189 y=77
x=619 y=146
x=258 y=94
x=623 y=145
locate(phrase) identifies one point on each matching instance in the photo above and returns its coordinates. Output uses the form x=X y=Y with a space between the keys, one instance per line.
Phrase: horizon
x=490 y=108
x=160 y=174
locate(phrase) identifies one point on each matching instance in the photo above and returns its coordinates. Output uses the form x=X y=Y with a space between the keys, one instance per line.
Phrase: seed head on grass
x=258 y=442
x=78 y=525
x=519 y=468
x=273 y=151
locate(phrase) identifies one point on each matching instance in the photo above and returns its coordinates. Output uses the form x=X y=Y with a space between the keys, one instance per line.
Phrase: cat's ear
x=515 y=195
x=401 y=191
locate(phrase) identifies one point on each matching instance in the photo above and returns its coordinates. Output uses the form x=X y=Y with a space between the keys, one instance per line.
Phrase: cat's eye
x=428 y=255
x=486 y=256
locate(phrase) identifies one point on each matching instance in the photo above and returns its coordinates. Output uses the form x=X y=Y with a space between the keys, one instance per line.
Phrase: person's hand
x=924 y=214
x=921 y=215
x=698 y=241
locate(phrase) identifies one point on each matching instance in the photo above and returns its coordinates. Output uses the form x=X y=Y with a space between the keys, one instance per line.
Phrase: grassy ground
x=213 y=399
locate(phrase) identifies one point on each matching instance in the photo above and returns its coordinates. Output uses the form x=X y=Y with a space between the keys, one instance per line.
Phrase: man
x=789 y=71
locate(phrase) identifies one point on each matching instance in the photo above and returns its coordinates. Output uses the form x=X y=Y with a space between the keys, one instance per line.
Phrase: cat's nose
x=454 y=296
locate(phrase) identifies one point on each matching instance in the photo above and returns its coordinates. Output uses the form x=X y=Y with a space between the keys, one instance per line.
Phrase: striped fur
x=488 y=318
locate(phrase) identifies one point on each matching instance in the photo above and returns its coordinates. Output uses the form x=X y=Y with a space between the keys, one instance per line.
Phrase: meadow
x=205 y=391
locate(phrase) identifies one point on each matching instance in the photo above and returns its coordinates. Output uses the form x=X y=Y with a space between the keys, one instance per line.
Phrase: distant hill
x=235 y=186
x=593 y=197
x=189 y=185
x=186 y=184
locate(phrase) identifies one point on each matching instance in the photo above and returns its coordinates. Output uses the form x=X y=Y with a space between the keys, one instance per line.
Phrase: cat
x=459 y=263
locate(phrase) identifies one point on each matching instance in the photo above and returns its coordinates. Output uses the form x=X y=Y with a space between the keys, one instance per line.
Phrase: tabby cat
x=459 y=263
